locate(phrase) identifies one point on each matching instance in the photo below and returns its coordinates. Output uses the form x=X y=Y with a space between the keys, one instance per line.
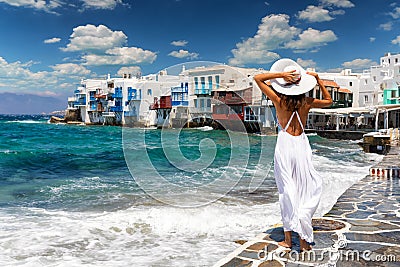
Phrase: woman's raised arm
x=267 y=90
x=327 y=100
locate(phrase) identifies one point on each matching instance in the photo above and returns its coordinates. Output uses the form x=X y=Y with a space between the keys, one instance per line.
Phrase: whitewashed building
x=121 y=101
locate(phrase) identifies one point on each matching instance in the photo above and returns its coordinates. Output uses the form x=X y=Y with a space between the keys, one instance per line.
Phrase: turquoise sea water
x=68 y=195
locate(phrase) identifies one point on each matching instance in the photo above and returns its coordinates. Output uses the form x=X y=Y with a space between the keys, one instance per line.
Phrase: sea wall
x=343 y=135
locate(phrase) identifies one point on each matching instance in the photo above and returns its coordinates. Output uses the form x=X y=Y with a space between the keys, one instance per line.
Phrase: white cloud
x=372 y=39
x=386 y=26
x=397 y=40
x=312 y=39
x=306 y=63
x=52 y=40
x=315 y=14
x=101 y=4
x=70 y=69
x=272 y=33
x=396 y=13
x=94 y=38
x=18 y=77
x=51 y=5
x=179 y=43
x=183 y=54
x=134 y=70
x=101 y=46
x=337 y=3
x=121 y=56
x=337 y=12
x=359 y=64
x=44 y=5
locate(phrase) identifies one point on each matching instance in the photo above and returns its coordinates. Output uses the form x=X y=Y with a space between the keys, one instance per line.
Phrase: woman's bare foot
x=284 y=244
x=304 y=246
x=287 y=243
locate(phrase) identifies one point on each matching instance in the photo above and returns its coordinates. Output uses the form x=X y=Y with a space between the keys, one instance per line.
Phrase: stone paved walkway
x=362 y=229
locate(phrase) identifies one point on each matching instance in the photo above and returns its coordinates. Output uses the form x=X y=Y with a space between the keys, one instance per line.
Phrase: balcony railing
x=80 y=102
x=202 y=92
x=341 y=104
x=180 y=103
x=179 y=90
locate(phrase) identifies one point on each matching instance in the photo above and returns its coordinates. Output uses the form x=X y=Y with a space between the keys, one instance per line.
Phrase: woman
x=298 y=183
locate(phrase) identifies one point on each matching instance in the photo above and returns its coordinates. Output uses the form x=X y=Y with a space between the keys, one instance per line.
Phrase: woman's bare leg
x=287 y=243
x=304 y=246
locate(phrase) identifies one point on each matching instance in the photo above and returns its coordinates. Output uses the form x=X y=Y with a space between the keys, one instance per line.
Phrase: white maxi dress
x=298 y=183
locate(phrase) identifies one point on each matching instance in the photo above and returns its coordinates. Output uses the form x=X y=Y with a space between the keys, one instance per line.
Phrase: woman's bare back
x=284 y=115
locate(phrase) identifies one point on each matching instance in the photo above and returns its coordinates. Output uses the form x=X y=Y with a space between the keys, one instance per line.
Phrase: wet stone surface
x=326 y=225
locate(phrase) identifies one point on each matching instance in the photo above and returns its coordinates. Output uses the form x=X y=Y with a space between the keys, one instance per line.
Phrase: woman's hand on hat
x=290 y=76
x=312 y=73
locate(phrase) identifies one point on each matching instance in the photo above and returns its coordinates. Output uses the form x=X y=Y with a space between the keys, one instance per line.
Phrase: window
x=209 y=82
x=195 y=103
x=203 y=82
x=365 y=99
x=374 y=78
x=351 y=83
x=217 y=81
x=318 y=94
x=196 y=83
x=366 y=81
x=202 y=103
x=149 y=92
x=396 y=60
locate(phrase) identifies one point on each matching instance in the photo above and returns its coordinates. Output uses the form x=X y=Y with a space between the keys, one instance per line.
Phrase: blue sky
x=47 y=46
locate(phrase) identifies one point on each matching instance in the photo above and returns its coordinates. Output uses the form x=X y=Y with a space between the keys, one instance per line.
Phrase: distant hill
x=11 y=103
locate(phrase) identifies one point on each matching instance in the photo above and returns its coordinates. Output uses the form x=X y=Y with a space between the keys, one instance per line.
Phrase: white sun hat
x=304 y=83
